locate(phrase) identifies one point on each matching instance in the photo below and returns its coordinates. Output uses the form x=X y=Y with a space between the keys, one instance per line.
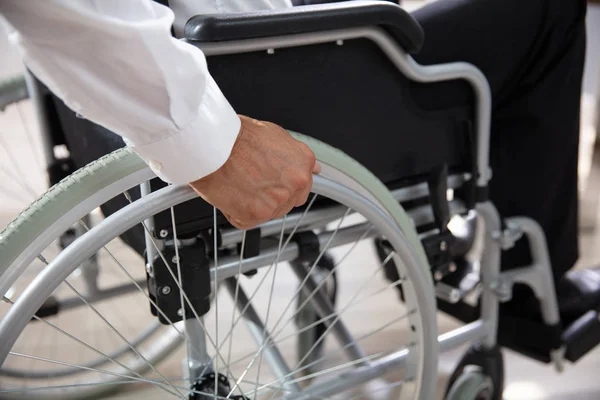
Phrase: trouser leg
x=532 y=54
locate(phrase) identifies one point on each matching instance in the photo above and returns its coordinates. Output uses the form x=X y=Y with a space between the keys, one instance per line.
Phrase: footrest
x=529 y=337
x=582 y=336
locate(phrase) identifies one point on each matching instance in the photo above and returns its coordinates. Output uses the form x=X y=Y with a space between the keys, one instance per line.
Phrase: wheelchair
x=428 y=235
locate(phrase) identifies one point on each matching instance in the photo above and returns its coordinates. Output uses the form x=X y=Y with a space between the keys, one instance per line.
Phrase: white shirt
x=116 y=63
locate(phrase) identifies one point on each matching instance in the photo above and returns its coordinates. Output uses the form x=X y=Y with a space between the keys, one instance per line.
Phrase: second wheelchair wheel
x=472 y=384
x=396 y=346
x=479 y=371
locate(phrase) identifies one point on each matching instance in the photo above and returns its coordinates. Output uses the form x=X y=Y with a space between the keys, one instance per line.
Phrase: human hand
x=267 y=174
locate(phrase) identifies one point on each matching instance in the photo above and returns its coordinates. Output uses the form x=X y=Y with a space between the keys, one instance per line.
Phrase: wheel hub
x=204 y=388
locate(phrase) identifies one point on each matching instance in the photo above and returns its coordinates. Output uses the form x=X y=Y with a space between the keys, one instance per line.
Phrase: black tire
x=489 y=362
x=471 y=385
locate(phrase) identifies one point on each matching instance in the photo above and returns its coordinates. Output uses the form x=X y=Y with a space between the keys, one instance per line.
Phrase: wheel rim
x=334 y=193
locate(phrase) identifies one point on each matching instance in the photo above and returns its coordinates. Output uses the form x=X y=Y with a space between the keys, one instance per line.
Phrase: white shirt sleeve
x=116 y=63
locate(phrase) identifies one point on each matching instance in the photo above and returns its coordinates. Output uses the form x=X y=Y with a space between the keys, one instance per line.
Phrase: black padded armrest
x=303 y=19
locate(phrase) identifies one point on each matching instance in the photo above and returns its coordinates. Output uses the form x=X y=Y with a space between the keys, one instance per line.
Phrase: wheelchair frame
x=496 y=285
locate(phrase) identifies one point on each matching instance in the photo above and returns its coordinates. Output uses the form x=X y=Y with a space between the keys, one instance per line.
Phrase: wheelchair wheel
x=472 y=384
x=485 y=366
x=221 y=360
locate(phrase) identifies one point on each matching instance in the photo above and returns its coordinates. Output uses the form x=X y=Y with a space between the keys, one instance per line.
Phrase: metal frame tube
x=538 y=275
x=397 y=360
x=197 y=357
x=490 y=270
x=262 y=337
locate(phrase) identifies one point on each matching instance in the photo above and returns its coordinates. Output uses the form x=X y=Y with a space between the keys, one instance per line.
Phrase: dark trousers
x=532 y=53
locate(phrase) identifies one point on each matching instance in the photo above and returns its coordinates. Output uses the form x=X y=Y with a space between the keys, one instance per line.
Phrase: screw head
x=175 y=259
x=443 y=246
x=180 y=312
x=452 y=267
x=149 y=268
x=163 y=233
x=437 y=275
x=165 y=290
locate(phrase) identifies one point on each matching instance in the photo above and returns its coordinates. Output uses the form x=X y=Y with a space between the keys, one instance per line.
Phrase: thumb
x=316 y=168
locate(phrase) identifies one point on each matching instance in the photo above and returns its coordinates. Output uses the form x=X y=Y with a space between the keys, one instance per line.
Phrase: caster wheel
x=306 y=317
x=472 y=384
x=477 y=363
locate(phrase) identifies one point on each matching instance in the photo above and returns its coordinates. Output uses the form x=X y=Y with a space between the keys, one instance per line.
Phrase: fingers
x=284 y=209
x=302 y=195
x=239 y=224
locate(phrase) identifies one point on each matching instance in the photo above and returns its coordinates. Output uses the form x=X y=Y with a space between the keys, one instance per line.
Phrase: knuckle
x=308 y=153
x=260 y=212
x=311 y=156
x=301 y=180
x=281 y=196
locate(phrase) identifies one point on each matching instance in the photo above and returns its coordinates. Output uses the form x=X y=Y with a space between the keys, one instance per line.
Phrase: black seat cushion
x=312 y=18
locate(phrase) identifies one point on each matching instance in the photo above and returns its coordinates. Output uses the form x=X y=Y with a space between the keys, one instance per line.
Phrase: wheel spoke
x=323 y=282
x=240 y=316
x=338 y=315
x=187 y=300
x=115 y=330
x=339 y=350
x=265 y=339
x=354 y=302
x=216 y=297
x=19 y=179
x=29 y=135
x=236 y=294
x=137 y=285
x=101 y=371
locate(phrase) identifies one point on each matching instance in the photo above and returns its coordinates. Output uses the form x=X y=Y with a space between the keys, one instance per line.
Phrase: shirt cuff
x=200 y=148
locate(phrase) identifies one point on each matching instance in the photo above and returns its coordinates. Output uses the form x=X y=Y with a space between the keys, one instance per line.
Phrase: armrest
x=312 y=18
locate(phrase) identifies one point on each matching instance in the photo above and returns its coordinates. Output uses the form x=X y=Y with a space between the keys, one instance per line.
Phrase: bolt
x=452 y=267
x=339 y=42
x=163 y=233
x=175 y=259
x=443 y=246
x=149 y=269
x=437 y=276
x=180 y=312
x=166 y=290
x=270 y=51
